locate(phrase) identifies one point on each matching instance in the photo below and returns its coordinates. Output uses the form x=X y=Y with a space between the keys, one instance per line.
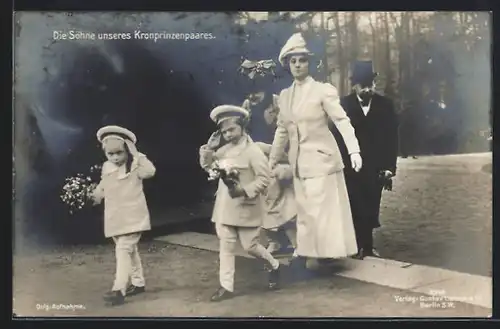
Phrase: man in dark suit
x=376 y=125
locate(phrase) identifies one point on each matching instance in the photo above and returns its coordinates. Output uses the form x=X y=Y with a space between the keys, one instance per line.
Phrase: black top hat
x=362 y=72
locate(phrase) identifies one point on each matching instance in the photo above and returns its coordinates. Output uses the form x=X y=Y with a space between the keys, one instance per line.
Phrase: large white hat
x=223 y=112
x=116 y=131
x=295 y=45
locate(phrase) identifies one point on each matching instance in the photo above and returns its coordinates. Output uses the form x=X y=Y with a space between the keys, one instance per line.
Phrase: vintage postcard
x=252 y=164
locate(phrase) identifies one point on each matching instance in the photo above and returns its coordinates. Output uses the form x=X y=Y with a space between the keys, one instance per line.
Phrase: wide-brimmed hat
x=296 y=44
x=223 y=112
x=117 y=132
x=362 y=72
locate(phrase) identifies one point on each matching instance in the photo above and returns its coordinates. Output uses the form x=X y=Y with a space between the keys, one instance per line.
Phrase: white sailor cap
x=117 y=132
x=223 y=112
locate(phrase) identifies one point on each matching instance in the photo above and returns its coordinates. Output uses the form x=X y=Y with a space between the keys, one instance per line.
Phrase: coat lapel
x=354 y=110
x=288 y=100
x=358 y=110
x=290 y=108
x=307 y=89
x=373 y=106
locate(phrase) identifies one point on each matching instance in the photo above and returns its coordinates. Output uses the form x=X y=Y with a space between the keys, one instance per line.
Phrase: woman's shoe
x=326 y=261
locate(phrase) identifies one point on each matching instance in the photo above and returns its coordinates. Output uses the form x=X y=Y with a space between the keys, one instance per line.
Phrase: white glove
x=356 y=162
x=388 y=174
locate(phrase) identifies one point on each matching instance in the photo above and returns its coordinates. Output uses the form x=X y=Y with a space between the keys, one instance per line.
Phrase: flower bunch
x=77 y=190
x=214 y=171
x=257 y=68
x=213 y=174
x=219 y=170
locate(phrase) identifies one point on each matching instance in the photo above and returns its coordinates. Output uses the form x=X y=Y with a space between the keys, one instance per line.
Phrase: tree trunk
x=405 y=61
x=353 y=31
x=380 y=41
x=388 y=69
x=340 y=53
x=374 y=41
x=409 y=39
x=325 y=76
x=398 y=31
x=415 y=39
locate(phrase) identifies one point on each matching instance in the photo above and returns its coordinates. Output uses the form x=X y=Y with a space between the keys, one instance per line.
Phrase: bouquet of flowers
x=230 y=176
x=77 y=190
x=222 y=171
x=257 y=68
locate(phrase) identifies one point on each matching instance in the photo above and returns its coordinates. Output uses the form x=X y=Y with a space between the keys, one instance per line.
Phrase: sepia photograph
x=252 y=164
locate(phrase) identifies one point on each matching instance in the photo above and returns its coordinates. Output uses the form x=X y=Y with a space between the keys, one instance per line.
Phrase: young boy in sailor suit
x=280 y=204
x=239 y=209
x=126 y=213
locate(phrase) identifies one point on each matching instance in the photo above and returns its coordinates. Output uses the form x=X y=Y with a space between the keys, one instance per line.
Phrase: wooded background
x=436 y=66
x=163 y=91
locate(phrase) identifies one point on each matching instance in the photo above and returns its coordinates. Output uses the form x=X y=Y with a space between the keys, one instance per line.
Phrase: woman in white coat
x=325 y=228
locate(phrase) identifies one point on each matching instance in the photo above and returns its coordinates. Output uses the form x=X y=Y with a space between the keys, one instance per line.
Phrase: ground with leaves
x=180 y=281
x=440 y=213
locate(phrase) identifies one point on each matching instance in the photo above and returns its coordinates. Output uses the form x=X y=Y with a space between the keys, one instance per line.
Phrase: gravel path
x=440 y=214
x=181 y=280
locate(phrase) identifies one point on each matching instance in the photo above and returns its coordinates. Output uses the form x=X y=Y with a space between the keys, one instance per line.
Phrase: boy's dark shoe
x=109 y=294
x=135 y=290
x=274 y=279
x=221 y=294
x=115 y=299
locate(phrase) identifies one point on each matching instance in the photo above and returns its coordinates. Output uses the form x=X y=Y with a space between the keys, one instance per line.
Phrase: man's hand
x=356 y=162
x=386 y=178
x=388 y=174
